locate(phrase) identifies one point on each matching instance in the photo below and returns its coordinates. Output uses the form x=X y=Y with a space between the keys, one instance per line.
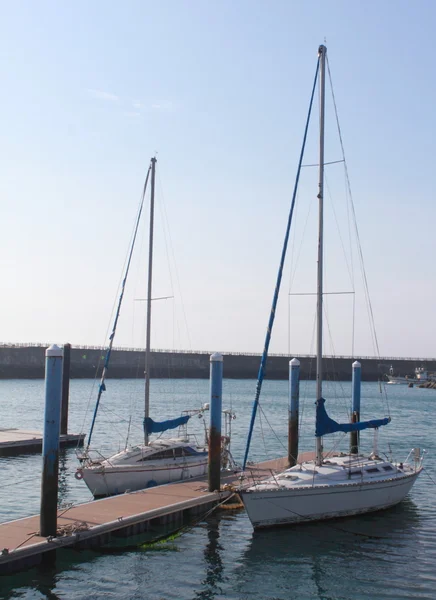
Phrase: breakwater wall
x=28 y=361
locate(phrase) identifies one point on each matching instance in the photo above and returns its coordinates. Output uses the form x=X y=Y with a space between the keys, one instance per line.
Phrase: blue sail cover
x=325 y=425
x=151 y=426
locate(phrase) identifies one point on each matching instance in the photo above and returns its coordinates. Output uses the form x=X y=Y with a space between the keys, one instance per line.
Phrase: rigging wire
x=295 y=259
x=376 y=346
x=181 y=328
x=270 y=426
x=360 y=251
x=261 y=373
x=329 y=195
x=102 y=386
x=332 y=357
x=120 y=283
x=172 y=253
x=294 y=269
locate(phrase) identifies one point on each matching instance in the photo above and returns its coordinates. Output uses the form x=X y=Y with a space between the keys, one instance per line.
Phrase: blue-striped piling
x=355 y=417
x=50 y=444
x=294 y=398
x=216 y=386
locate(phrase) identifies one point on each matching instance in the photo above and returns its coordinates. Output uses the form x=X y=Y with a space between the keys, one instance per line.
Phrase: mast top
x=322 y=50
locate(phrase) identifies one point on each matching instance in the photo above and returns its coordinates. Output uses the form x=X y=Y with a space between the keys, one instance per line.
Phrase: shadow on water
x=44 y=578
x=319 y=560
x=316 y=560
x=213 y=561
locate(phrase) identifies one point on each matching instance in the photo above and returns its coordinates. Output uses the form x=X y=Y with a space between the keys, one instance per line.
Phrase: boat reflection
x=213 y=560
x=326 y=559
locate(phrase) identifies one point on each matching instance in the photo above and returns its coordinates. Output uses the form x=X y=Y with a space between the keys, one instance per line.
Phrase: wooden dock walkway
x=93 y=523
x=21 y=441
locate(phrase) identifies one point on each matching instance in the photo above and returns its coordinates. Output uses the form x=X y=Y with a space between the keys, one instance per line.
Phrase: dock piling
x=216 y=384
x=355 y=417
x=50 y=445
x=65 y=388
x=294 y=397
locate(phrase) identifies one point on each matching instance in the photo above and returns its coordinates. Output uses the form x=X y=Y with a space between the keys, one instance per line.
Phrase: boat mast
x=321 y=54
x=149 y=291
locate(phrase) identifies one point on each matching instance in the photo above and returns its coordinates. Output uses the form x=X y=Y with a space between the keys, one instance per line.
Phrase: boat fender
x=78 y=474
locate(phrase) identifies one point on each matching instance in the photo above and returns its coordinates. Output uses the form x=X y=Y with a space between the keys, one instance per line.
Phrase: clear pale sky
x=220 y=90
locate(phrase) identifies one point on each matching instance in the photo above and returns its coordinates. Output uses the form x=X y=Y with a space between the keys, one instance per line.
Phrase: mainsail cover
x=151 y=426
x=325 y=425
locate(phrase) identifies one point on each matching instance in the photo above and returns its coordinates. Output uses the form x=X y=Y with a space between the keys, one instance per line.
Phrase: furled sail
x=151 y=426
x=325 y=425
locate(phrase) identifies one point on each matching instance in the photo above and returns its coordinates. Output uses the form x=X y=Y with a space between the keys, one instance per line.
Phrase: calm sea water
x=390 y=554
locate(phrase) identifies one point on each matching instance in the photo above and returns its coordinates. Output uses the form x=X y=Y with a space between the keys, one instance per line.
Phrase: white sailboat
x=159 y=461
x=327 y=486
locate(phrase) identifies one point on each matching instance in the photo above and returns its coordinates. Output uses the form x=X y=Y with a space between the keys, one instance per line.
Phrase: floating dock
x=21 y=441
x=94 y=523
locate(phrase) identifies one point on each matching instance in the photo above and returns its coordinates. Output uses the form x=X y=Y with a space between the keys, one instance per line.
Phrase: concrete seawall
x=28 y=361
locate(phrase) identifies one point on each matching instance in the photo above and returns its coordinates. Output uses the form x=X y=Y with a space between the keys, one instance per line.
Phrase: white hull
x=283 y=507
x=421 y=376
x=109 y=481
x=139 y=467
x=404 y=380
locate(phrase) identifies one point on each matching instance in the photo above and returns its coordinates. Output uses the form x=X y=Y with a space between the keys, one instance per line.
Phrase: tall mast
x=322 y=54
x=149 y=291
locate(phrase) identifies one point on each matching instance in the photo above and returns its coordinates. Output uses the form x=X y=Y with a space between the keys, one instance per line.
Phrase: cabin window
x=158 y=455
x=359 y=472
x=178 y=452
x=191 y=452
x=387 y=468
x=372 y=470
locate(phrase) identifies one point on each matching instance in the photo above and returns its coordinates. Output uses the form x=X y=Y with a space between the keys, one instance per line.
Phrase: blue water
x=390 y=554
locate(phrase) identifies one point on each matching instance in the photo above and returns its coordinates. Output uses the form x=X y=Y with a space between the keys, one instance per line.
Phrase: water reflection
x=213 y=560
x=63 y=487
x=46 y=582
x=223 y=557
x=324 y=560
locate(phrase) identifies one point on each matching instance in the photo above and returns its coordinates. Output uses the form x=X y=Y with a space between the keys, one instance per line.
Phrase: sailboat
x=154 y=462
x=326 y=486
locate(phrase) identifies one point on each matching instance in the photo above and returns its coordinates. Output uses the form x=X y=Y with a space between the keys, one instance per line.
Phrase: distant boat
x=421 y=376
x=160 y=461
x=338 y=485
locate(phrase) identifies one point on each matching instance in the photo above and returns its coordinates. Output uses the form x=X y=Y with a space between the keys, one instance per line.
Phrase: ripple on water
x=389 y=555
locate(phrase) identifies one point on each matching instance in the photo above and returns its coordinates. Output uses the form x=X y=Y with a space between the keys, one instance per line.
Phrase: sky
x=219 y=92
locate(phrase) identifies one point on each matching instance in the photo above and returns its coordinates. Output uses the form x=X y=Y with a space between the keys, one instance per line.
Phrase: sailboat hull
x=109 y=481
x=316 y=503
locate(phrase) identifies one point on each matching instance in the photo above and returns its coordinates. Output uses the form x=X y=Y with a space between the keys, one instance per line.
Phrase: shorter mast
x=319 y=366
x=149 y=291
